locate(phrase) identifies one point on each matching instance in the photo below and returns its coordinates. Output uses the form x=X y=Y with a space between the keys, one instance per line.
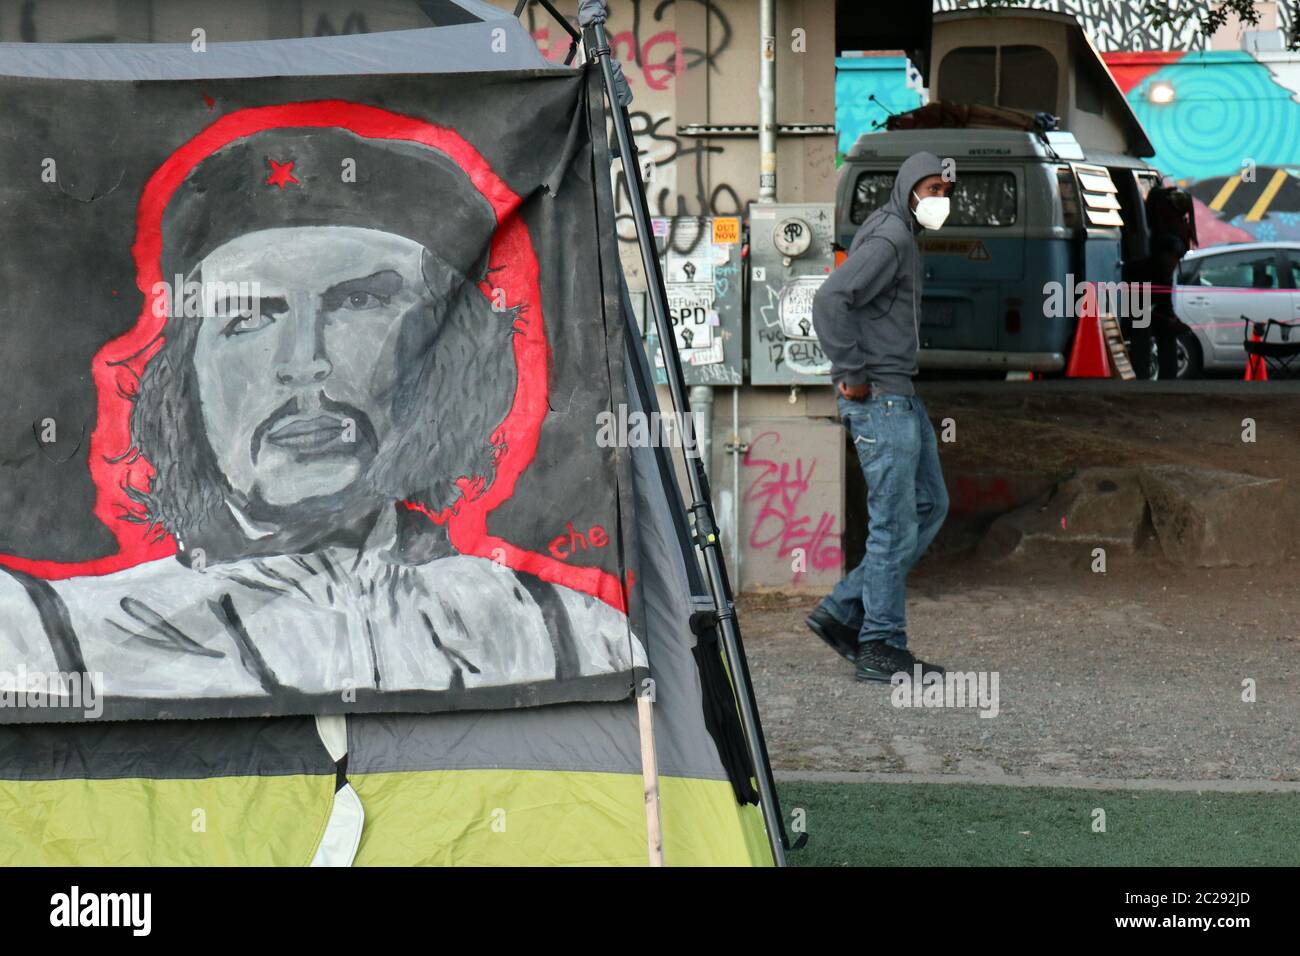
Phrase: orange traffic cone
x=1088 y=358
x=1256 y=370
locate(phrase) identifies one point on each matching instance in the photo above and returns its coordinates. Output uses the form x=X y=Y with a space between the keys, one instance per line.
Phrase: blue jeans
x=906 y=505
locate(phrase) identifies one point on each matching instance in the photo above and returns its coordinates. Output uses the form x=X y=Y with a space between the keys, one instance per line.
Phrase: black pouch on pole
x=720 y=715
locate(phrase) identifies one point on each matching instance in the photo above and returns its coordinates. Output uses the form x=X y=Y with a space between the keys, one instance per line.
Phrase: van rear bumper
x=979 y=359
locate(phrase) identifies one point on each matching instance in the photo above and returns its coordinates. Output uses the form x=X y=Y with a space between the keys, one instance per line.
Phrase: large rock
x=1093 y=508
x=1210 y=519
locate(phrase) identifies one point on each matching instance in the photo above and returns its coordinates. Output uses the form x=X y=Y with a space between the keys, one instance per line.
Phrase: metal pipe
x=767 y=101
x=703 y=523
x=735 y=484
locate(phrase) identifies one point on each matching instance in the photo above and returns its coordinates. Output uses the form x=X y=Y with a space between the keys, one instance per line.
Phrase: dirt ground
x=1053 y=428
x=1134 y=673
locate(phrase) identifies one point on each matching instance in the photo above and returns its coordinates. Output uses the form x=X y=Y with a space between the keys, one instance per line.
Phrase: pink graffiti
x=778 y=490
x=655 y=71
x=555 y=52
x=657 y=61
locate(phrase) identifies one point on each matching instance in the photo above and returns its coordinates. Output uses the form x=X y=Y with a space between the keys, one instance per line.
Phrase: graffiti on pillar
x=782 y=519
x=654 y=55
x=661 y=150
x=649 y=52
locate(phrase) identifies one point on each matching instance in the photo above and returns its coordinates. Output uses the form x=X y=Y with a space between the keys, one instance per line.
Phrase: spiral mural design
x=1228 y=107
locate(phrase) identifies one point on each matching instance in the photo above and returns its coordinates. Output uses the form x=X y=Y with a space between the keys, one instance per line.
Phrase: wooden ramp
x=1120 y=365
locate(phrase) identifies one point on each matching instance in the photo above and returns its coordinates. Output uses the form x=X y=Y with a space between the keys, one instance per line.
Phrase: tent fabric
x=489 y=45
x=180 y=749
x=549 y=785
x=155 y=821
x=512 y=818
x=589 y=11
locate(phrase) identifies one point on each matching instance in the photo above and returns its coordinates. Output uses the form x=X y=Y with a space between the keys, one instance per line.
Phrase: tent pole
x=704 y=525
x=654 y=826
x=574 y=36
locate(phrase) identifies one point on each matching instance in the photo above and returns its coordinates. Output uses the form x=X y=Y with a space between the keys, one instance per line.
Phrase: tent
x=559 y=784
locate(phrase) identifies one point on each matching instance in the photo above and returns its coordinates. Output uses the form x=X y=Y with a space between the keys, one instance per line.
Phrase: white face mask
x=932 y=211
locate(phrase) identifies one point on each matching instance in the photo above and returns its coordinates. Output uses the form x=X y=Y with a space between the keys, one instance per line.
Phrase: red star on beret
x=281 y=174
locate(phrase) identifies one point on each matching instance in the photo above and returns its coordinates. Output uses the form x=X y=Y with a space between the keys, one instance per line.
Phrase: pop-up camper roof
x=1036 y=61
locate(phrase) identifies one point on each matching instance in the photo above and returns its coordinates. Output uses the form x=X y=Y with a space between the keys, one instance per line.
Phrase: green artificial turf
x=904 y=824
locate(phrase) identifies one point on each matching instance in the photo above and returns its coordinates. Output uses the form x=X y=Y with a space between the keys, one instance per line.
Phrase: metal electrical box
x=700 y=258
x=791 y=254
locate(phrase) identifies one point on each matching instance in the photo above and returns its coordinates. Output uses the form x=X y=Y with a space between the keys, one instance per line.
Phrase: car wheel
x=1191 y=363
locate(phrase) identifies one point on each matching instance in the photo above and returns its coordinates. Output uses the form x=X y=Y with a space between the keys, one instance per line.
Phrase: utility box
x=791 y=254
x=700 y=259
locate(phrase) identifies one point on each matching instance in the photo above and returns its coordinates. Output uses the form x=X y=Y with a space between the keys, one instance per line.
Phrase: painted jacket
x=273 y=627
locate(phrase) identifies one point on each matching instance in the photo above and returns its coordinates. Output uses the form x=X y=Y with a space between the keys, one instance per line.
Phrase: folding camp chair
x=1277 y=354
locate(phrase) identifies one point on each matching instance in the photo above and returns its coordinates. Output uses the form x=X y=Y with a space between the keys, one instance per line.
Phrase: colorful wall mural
x=1228 y=136
x=896 y=84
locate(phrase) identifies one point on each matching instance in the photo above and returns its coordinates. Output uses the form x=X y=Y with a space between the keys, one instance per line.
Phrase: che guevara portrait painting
x=303 y=388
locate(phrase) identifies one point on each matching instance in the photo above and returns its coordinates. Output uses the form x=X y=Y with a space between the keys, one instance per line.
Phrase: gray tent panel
x=465 y=48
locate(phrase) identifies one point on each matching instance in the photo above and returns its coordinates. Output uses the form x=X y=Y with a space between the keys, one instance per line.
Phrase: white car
x=1214 y=287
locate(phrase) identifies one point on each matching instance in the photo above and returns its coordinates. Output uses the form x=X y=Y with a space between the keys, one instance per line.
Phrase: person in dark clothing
x=1163 y=325
x=867 y=317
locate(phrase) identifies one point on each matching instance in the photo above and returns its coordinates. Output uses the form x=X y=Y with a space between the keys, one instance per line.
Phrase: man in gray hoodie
x=868 y=318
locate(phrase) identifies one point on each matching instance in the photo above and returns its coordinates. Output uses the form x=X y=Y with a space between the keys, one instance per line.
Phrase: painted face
x=297 y=392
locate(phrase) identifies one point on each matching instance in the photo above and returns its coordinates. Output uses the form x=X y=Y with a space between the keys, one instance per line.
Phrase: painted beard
x=336 y=435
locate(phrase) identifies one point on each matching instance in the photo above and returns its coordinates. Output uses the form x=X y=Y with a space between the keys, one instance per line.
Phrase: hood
x=915 y=168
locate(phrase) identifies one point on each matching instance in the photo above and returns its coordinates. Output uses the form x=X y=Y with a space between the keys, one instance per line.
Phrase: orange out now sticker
x=726 y=232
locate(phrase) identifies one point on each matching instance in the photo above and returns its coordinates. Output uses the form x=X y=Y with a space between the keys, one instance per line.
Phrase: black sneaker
x=841 y=638
x=883 y=656
x=879 y=661
x=927 y=668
